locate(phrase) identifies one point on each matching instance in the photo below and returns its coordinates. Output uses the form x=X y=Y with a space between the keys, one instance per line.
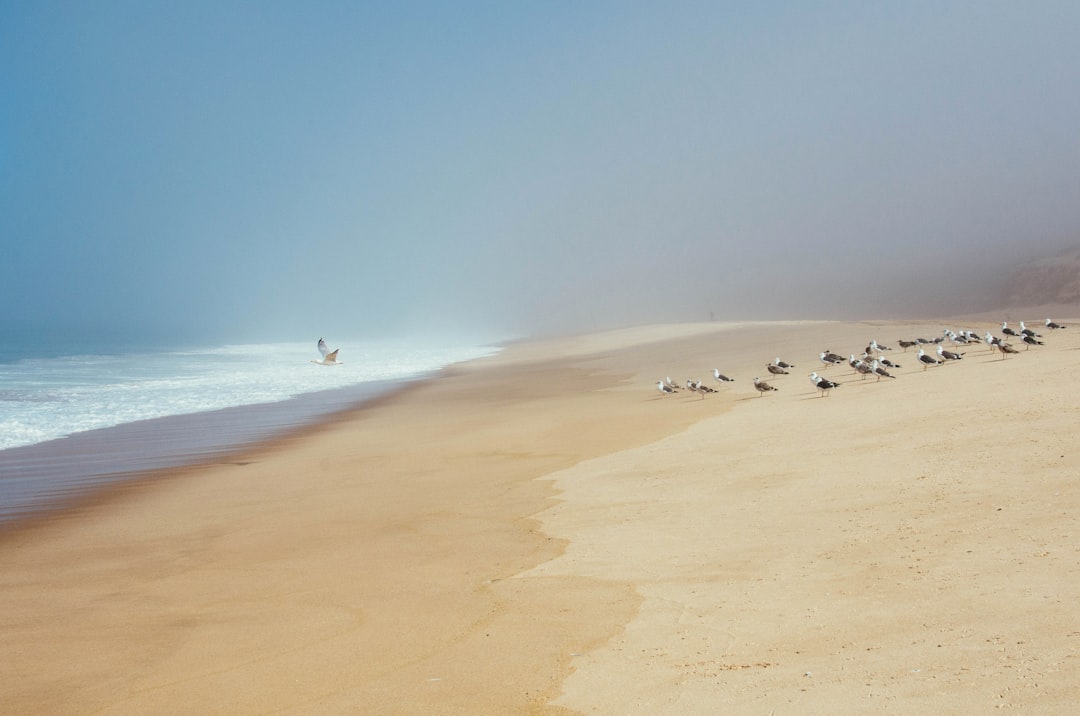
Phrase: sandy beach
x=544 y=532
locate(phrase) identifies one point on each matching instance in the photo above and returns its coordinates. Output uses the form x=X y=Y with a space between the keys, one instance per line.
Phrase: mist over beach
x=217 y=172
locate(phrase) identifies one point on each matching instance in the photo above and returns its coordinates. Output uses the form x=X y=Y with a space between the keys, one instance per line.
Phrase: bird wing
x=323 y=349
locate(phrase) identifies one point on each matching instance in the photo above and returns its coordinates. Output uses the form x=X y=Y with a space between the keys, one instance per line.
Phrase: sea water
x=68 y=422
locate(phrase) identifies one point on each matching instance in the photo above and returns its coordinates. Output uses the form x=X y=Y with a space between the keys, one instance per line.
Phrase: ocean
x=71 y=422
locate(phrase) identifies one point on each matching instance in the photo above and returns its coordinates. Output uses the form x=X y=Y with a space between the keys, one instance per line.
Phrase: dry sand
x=543 y=532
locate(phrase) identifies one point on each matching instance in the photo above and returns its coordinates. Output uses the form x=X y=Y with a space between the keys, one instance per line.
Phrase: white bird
x=782 y=364
x=830 y=358
x=664 y=389
x=720 y=377
x=329 y=357
x=822 y=384
x=671 y=384
x=956 y=339
x=775 y=369
x=927 y=360
x=1053 y=326
x=1025 y=331
x=880 y=371
x=948 y=355
x=1006 y=330
x=861 y=366
x=703 y=389
x=889 y=364
x=762 y=387
x=877 y=347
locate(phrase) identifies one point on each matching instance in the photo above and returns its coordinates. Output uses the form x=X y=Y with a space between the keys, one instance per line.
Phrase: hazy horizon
x=274 y=172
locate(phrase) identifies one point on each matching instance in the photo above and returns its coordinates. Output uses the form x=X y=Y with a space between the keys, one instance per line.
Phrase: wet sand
x=543 y=532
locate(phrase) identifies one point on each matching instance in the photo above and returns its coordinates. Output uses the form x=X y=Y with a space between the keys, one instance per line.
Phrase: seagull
x=877 y=347
x=720 y=377
x=782 y=364
x=1006 y=330
x=822 y=384
x=907 y=344
x=881 y=372
x=329 y=357
x=862 y=367
x=889 y=364
x=830 y=358
x=703 y=389
x=1005 y=348
x=927 y=360
x=775 y=369
x=956 y=339
x=1025 y=331
x=948 y=355
x=762 y=387
x=671 y=384
x=664 y=388
x=1054 y=326
x=1030 y=341
x=991 y=340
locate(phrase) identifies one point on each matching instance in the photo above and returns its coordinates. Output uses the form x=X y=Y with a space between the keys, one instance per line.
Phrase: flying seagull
x=329 y=357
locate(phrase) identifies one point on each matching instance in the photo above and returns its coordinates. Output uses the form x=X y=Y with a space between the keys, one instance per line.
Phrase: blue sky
x=265 y=170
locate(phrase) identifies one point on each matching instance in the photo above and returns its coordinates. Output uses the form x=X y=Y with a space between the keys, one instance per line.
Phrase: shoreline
x=43 y=478
x=497 y=540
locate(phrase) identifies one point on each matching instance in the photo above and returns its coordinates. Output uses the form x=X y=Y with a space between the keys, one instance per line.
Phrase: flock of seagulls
x=873 y=362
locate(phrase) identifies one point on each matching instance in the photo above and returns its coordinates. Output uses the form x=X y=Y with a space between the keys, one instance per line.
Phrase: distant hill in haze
x=1054 y=280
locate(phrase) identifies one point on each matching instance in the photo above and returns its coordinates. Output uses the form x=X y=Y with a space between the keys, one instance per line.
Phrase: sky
x=274 y=170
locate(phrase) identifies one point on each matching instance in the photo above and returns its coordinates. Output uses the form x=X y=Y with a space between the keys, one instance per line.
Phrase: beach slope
x=544 y=532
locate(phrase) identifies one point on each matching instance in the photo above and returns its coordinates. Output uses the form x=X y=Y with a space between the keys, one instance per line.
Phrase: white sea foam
x=45 y=399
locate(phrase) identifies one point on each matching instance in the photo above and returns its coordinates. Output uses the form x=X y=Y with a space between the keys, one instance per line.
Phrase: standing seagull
x=1005 y=348
x=782 y=364
x=1006 y=330
x=762 y=387
x=948 y=355
x=1054 y=326
x=880 y=371
x=776 y=369
x=1025 y=331
x=329 y=357
x=720 y=377
x=664 y=388
x=830 y=358
x=927 y=360
x=1030 y=341
x=822 y=384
